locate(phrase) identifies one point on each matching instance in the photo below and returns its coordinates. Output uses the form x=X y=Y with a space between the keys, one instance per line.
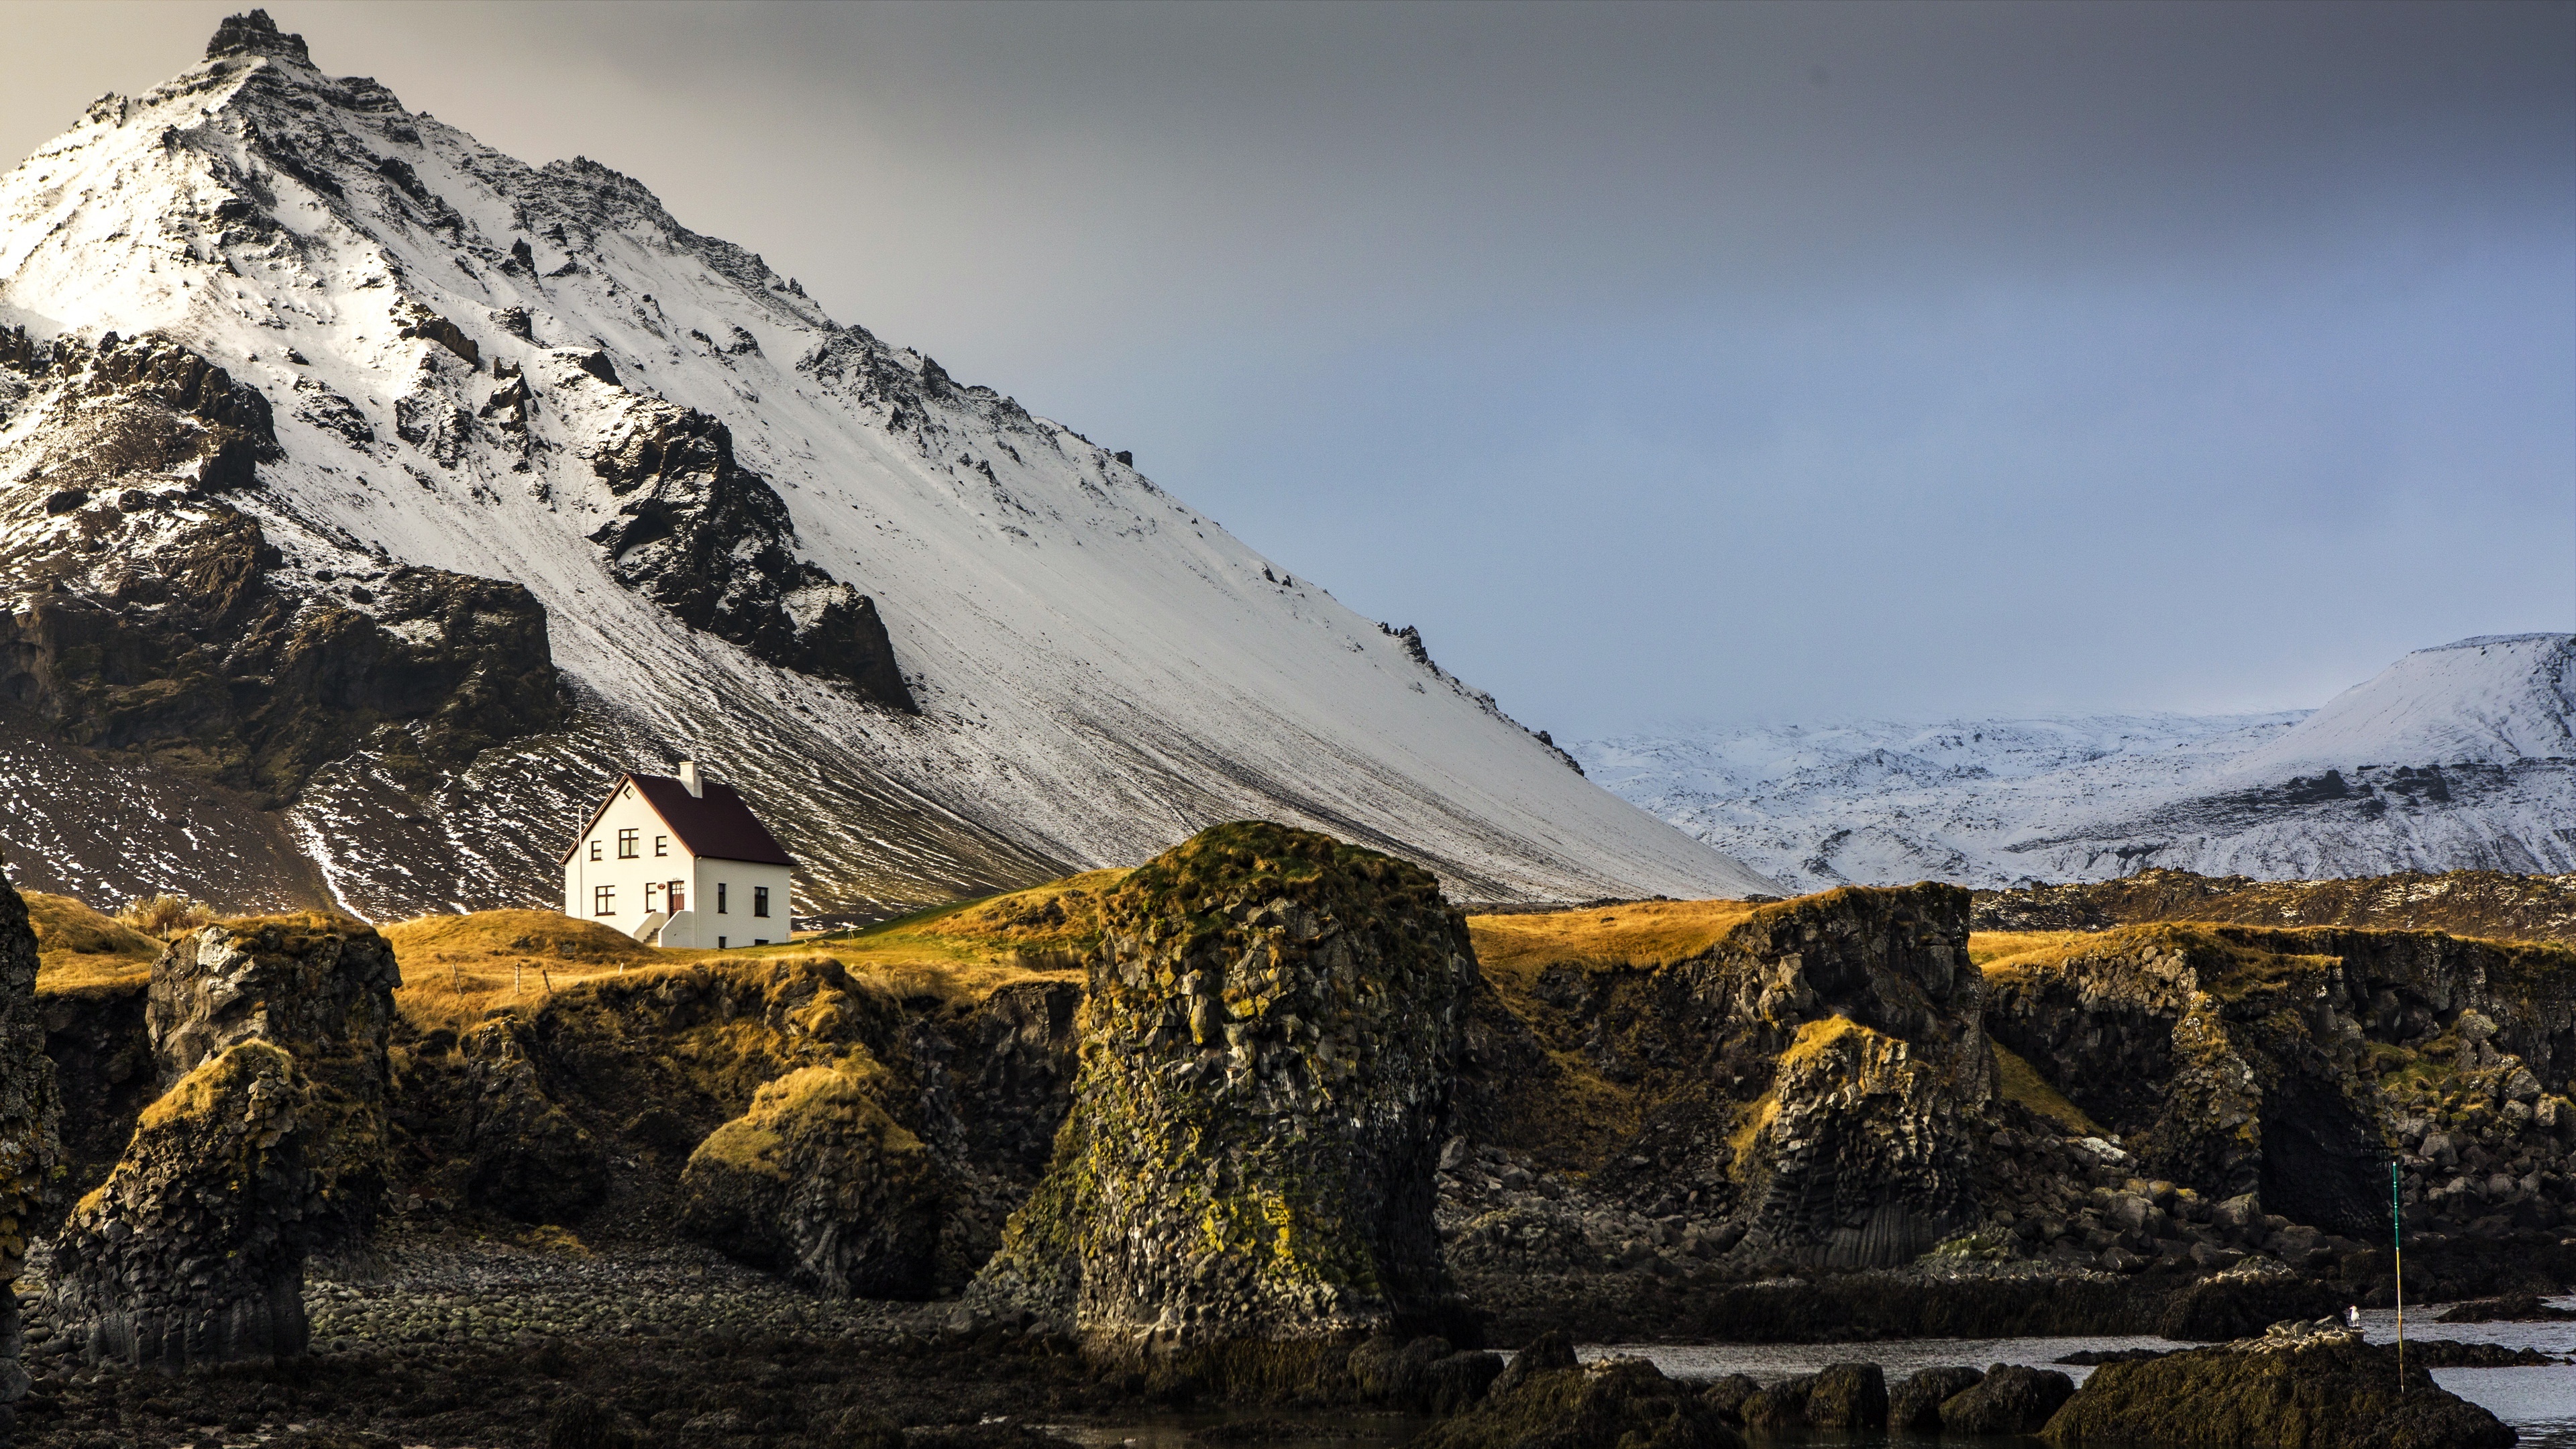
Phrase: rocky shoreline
x=1300 y=1135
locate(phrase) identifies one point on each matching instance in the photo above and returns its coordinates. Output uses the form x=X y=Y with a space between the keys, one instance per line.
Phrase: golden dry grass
x=2018 y=1081
x=457 y=969
x=1513 y=949
x=1992 y=949
x=78 y=947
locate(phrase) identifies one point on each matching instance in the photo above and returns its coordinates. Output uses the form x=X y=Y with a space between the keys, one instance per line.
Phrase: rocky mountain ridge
x=2454 y=758
x=558 y=487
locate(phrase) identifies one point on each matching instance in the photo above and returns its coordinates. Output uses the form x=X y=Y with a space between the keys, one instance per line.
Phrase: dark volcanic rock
x=527 y=1158
x=192 y=1254
x=1848 y=1396
x=2240 y=1060
x=2513 y=1308
x=2010 y=1399
x=1270 y=1041
x=711 y=541
x=1547 y=1353
x=820 y=1183
x=322 y=988
x=2313 y=1393
x=1614 y=1404
x=29 y=1110
x=1916 y=1404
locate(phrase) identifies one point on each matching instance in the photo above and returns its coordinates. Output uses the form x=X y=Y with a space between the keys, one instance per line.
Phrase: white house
x=679 y=861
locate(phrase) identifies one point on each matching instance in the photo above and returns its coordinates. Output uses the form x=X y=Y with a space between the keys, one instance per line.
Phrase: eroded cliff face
x=1809 y=1074
x=147 y=611
x=1269 y=1047
x=2294 y=1064
x=191 y=1255
x=30 y=1108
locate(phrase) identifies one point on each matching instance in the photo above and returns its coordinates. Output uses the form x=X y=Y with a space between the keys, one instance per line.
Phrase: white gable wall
x=639 y=884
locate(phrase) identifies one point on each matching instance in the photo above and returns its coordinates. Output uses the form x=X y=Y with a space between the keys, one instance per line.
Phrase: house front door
x=679 y=896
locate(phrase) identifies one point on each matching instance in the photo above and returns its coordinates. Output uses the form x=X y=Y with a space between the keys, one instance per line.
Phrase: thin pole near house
x=2397 y=1247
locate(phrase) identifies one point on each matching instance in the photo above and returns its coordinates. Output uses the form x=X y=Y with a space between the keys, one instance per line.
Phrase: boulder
x=2011 y=1399
x=192 y=1253
x=1729 y=1395
x=1270 y=1043
x=1611 y=1404
x=1547 y=1353
x=319 y=986
x=1916 y=1404
x=2319 y=1390
x=1848 y=1396
x=29 y=1111
x=1779 y=1407
x=818 y=1182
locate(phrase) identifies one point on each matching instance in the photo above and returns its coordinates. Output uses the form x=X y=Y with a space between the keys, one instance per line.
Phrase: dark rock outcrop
x=711 y=541
x=1916 y=1405
x=1816 y=1075
x=29 y=1112
x=526 y=1157
x=2238 y=1060
x=322 y=988
x=2324 y=1391
x=819 y=1182
x=1849 y=1397
x=192 y=1253
x=1270 y=1040
x=1613 y=1404
x=2011 y=1399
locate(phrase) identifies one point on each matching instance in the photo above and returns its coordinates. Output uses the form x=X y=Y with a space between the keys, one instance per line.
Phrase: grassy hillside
x=79 y=947
x=458 y=968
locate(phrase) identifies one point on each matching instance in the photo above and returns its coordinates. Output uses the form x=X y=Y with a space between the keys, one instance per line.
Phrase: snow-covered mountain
x=368 y=496
x=2461 y=757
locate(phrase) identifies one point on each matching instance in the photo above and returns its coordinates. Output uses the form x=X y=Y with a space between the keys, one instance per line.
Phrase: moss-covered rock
x=525 y=1157
x=319 y=986
x=192 y=1253
x=29 y=1111
x=2011 y=1399
x=2317 y=1392
x=1613 y=1404
x=1269 y=1046
x=1916 y=1405
x=819 y=1182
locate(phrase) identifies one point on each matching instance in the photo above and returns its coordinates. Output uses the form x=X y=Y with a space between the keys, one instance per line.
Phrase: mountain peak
x=255 y=34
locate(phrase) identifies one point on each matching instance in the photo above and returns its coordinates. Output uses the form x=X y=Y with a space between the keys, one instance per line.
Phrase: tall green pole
x=2397 y=1244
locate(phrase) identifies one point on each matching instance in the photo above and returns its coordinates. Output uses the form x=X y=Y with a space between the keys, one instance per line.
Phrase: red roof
x=716 y=826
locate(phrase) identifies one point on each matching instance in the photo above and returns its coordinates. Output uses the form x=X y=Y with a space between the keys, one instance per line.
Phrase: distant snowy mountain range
x=2458 y=757
x=369 y=497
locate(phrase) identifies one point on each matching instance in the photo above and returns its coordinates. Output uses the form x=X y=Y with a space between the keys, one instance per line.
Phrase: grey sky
x=1737 y=361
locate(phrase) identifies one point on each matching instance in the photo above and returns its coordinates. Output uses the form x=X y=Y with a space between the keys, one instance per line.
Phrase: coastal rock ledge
x=2297 y=1387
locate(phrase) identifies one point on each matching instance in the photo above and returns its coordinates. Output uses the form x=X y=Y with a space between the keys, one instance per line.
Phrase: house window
x=720 y=944
x=594 y=850
x=760 y=902
x=661 y=845
x=626 y=844
x=760 y=940
x=603 y=900
x=720 y=900
x=652 y=888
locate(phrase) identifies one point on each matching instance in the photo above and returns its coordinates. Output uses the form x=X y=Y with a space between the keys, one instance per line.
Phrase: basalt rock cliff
x=30 y=1107
x=1270 y=1042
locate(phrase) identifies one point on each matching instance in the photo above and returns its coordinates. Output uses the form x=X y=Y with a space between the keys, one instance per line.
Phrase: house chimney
x=689 y=780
